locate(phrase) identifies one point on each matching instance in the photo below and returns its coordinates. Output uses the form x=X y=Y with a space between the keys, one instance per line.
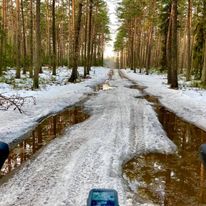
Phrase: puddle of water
x=154 y=100
x=46 y=131
x=179 y=179
x=136 y=86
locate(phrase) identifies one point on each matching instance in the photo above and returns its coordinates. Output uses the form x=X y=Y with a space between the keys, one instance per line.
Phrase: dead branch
x=15 y=102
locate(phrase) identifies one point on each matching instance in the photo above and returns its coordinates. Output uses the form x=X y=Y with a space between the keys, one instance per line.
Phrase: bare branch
x=15 y=102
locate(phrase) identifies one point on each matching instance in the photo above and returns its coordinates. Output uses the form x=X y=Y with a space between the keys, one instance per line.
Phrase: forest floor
x=91 y=154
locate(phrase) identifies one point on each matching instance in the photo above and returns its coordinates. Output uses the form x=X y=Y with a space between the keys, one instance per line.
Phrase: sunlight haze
x=112 y=6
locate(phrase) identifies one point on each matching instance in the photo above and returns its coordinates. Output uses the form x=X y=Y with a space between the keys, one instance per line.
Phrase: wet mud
x=178 y=179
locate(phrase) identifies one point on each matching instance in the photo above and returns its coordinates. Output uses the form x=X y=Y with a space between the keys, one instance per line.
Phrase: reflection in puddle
x=47 y=130
x=179 y=179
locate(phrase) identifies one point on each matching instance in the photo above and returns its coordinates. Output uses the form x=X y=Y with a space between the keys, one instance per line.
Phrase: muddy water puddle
x=46 y=131
x=171 y=180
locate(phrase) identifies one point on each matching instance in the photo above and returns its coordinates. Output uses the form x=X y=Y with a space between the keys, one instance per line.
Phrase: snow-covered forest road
x=90 y=154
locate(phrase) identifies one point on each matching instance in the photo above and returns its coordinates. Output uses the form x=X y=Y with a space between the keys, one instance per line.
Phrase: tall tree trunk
x=4 y=35
x=1 y=51
x=38 y=47
x=144 y=58
x=2 y=39
x=174 y=48
x=69 y=33
x=54 y=37
x=122 y=58
x=203 y=76
x=132 y=30
x=183 y=50
x=95 y=52
x=89 y=55
x=86 y=40
x=31 y=40
x=18 y=40
x=4 y=14
x=102 y=48
x=164 y=53
x=73 y=16
x=169 y=49
x=74 y=74
x=24 y=39
x=72 y=33
x=189 y=55
x=149 y=50
x=48 y=49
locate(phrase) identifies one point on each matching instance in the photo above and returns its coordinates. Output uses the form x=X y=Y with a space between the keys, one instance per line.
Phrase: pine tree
x=38 y=46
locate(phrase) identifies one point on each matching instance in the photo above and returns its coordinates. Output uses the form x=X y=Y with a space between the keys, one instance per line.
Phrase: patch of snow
x=188 y=103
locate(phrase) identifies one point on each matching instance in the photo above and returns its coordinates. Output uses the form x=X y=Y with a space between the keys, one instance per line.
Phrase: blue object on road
x=203 y=153
x=4 y=153
x=103 y=197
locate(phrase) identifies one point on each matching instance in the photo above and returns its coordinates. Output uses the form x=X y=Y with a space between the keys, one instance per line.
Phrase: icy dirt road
x=90 y=154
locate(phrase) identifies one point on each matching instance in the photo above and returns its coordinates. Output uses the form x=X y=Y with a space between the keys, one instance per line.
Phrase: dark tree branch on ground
x=15 y=102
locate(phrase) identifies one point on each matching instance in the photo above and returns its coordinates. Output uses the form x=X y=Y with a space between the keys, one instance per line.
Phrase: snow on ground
x=91 y=154
x=188 y=103
x=49 y=99
x=46 y=79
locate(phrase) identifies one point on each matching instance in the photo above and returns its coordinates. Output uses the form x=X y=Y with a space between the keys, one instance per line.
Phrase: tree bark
x=74 y=74
x=86 y=40
x=149 y=50
x=203 y=76
x=1 y=52
x=31 y=39
x=54 y=37
x=4 y=35
x=89 y=59
x=168 y=50
x=48 y=48
x=24 y=40
x=73 y=15
x=189 y=55
x=174 y=48
x=18 y=40
x=132 y=30
x=38 y=47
